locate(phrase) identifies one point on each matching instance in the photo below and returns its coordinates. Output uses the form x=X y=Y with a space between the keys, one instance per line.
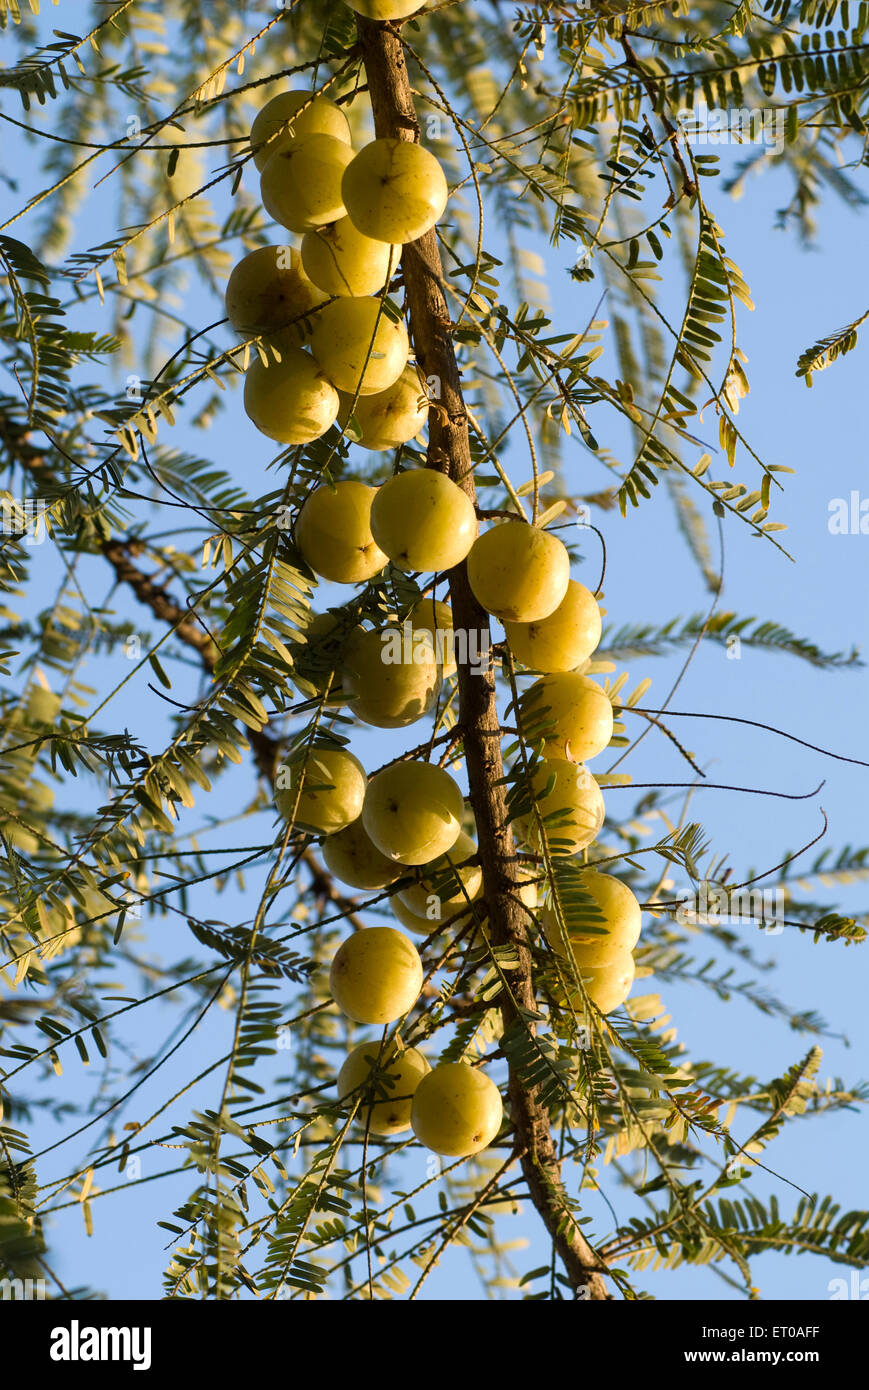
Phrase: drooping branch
x=154 y=596
x=449 y=452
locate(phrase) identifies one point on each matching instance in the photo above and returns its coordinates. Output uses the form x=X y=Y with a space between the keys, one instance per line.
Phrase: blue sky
x=799 y=296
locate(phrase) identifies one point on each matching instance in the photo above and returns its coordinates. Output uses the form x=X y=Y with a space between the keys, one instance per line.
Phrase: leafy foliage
x=824 y=352
x=157 y=666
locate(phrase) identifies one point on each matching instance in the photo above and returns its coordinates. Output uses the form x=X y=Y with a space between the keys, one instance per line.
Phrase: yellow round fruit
x=290 y=401
x=562 y=641
x=394 y=191
x=333 y=533
x=436 y=617
x=413 y=812
x=300 y=186
x=571 y=713
x=391 y=676
x=385 y=9
x=420 y=925
x=575 y=802
x=390 y=418
x=358 y=345
x=442 y=879
x=376 y=975
x=518 y=572
x=268 y=290
x=385 y=1072
x=320 y=117
x=423 y=520
x=457 y=1110
x=607 y=985
x=341 y=260
x=616 y=935
x=323 y=789
x=351 y=855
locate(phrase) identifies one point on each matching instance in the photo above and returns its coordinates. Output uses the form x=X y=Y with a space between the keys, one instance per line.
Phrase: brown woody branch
x=449 y=452
x=187 y=629
x=652 y=92
x=162 y=605
x=153 y=594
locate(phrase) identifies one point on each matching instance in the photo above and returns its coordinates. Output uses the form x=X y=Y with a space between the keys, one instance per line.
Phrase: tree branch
x=119 y=553
x=449 y=452
x=688 y=184
x=161 y=604
x=186 y=629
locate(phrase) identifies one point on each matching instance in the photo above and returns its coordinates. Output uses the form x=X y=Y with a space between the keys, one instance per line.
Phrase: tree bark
x=449 y=452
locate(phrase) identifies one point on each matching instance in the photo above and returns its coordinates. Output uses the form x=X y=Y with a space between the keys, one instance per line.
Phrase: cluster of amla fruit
x=404 y=822
x=402 y=829
x=334 y=349
x=354 y=212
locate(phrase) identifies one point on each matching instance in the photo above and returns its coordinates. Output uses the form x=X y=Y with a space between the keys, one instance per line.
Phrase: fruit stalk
x=449 y=452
